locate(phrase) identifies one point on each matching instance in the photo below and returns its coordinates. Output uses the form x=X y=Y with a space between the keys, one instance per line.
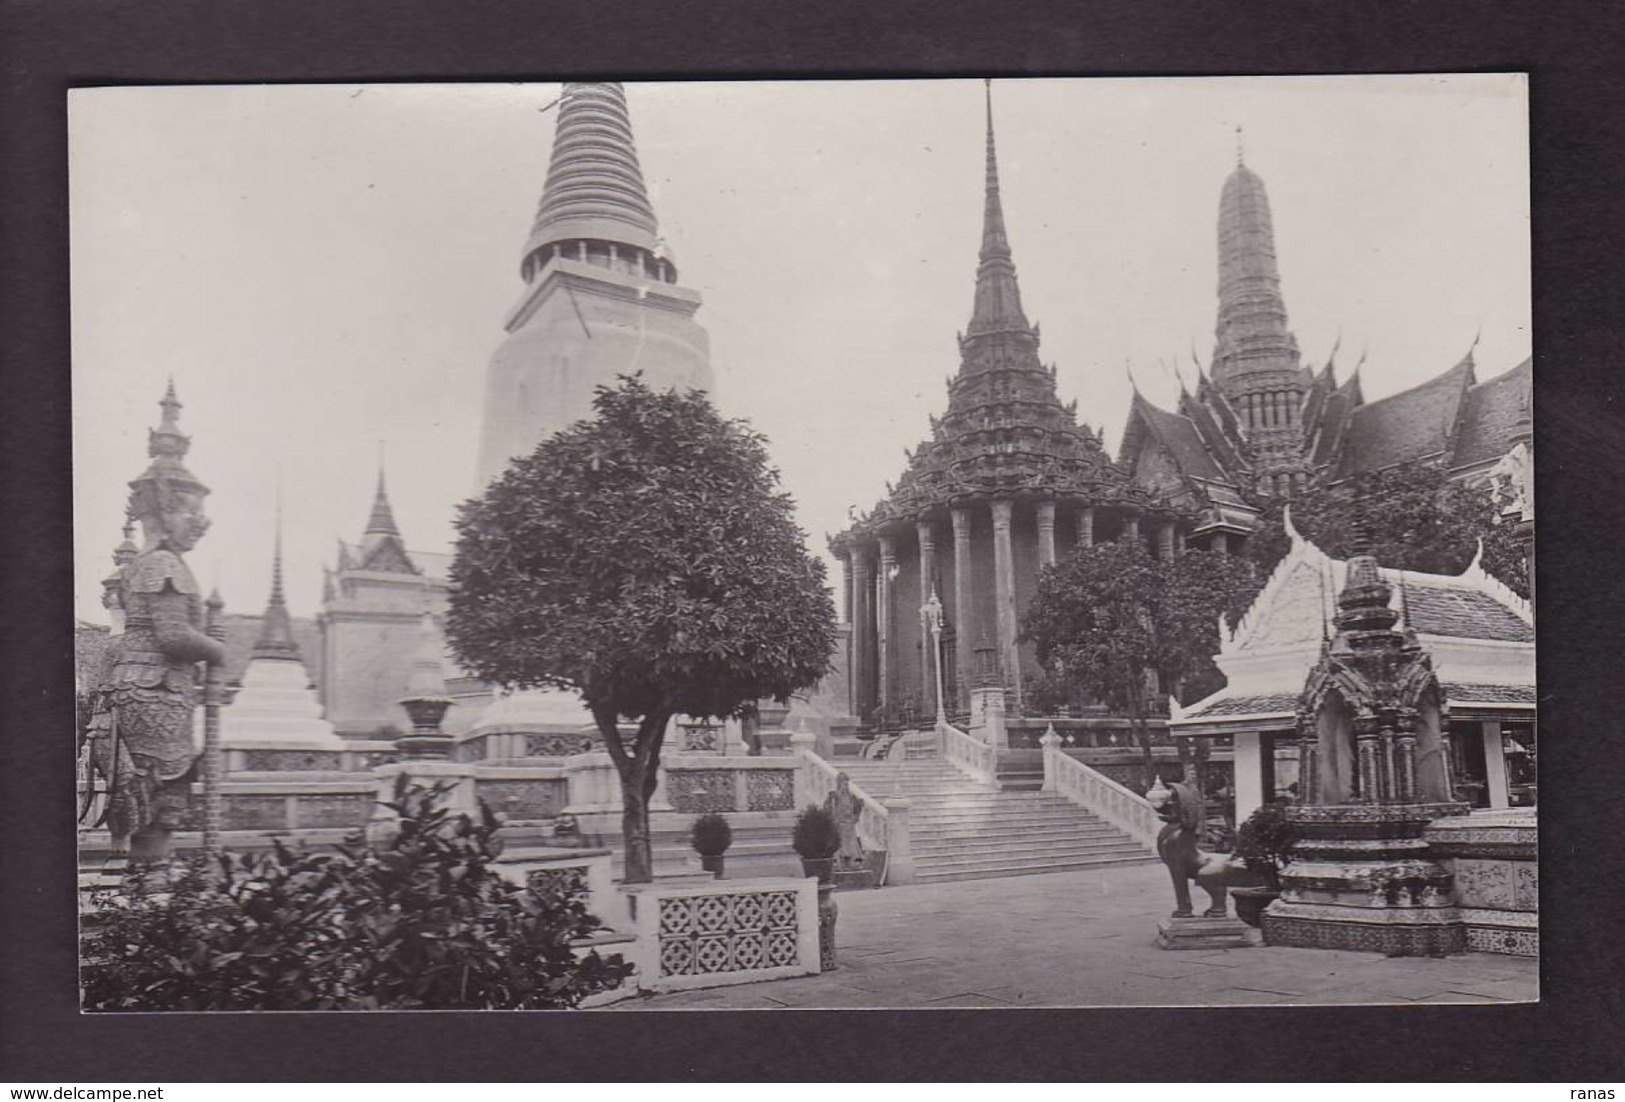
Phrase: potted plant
x=816 y=840
x=711 y=836
x=1263 y=844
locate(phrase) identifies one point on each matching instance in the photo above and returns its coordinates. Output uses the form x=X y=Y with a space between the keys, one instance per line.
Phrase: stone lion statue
x=1181 y=811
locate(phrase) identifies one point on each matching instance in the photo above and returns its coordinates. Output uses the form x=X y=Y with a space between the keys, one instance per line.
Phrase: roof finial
x=998 y=298
x=382 y=518
x=1241 y=148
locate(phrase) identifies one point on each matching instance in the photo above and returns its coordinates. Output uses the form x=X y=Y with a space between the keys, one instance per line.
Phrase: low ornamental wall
x=1494 y=861
x=584 y=871
x=723 y=932
x=288 y=805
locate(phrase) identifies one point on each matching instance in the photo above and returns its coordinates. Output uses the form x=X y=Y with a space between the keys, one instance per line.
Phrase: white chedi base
x=539 y=711
x=276 y=709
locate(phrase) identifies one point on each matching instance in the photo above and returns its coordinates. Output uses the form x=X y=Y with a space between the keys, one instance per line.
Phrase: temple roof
x=1414 y=424
x=1180 y=436
x=1495 y=415
x=594 y=187
x=1479 y=632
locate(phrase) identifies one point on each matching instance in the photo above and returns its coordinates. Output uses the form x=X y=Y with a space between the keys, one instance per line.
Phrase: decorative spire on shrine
x=594 y=190
x=382 y=520
x=1251 y=335
x=998 y=298
x=276 y=629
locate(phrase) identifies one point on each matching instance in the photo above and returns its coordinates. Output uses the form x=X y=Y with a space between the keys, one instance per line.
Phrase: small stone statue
x=140 y=738
x=844 y=808
x=1180 y=808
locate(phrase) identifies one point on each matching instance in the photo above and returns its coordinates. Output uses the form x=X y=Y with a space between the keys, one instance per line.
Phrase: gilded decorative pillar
x=1046 y=534
x=1086 y=526
x=1131 y=528
x=928 y=574
x=883 y=620
x=1004 y=572
x=863 y=620
x=1165 y=540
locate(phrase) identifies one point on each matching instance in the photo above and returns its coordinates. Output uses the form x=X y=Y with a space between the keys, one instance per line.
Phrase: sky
x=323 y=270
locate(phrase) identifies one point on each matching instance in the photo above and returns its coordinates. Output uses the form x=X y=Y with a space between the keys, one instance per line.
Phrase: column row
x=870 y=599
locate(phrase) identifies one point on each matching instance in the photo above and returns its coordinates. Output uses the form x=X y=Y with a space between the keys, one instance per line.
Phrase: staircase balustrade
x=1095 y=792
x=971 y=756
x=815 y=781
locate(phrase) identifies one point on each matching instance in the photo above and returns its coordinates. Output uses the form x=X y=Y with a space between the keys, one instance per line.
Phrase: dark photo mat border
x=1577 y=147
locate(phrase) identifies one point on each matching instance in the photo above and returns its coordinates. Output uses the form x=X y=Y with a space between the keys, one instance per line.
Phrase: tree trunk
x=639 y=771
x=1142 y=730
x=635 y=825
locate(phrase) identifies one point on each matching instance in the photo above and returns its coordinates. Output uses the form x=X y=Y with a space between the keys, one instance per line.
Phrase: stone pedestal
x=1362 y=877
x=1202 y=933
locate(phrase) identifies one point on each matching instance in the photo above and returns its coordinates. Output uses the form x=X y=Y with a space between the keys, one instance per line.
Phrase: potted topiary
x=711 y=837
x=1263 y=844
x=816 y=840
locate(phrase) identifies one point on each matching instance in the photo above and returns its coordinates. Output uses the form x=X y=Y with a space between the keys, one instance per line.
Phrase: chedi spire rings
x=594 y=189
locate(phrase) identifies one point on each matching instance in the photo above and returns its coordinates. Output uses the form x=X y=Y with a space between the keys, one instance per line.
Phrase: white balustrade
x=971 y=756
x=816 y=779
x=1094 y=791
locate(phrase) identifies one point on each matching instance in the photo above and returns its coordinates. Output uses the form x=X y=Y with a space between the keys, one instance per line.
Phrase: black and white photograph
x=827 y=544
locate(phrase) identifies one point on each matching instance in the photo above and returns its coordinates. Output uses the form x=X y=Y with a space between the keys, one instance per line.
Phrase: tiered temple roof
x=1006 y=433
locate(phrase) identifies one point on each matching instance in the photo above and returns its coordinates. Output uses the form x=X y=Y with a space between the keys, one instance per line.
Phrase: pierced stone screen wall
x=739 y=932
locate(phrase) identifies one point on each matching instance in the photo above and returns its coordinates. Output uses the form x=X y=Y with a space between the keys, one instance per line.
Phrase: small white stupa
x=276 y=708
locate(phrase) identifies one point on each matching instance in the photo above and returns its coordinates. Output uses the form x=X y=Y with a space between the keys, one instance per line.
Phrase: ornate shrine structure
x=1007 y=481
x=1376 y=772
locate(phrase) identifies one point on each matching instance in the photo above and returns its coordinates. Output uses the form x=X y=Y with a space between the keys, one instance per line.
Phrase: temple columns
x=1165 y=540
x=1131 y=528
x=964 y=635
x=928 y=571
x=1220 y=543
x=1046 y=534
x=862 y=592
x=1086 y=527
x=1004 y=575
x=1495 y=764
x=883 y=619
x=846 y=588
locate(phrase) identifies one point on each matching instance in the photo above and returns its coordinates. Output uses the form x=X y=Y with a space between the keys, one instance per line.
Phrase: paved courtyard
x=1083 y=939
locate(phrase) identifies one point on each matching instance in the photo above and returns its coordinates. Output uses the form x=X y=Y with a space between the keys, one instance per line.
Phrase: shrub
x=1265 y=840
x=424 y=922
x=711 y=835
x=816 y=836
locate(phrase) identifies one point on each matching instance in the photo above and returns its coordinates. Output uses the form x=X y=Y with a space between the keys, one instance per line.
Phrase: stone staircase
x=962 y=830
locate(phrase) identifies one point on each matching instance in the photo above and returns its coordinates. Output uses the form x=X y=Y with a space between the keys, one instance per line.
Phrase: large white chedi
x=601 y=296
x=601 y=299
x=276 y=708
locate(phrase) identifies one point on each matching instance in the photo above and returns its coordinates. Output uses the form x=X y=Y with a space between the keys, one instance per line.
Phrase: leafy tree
x=425 y=922
x=647 y=560
x=1111 y=617
x=1418 y=519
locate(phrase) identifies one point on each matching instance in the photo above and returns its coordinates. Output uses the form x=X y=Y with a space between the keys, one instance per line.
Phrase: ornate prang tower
x=1255 y=357
x=601 y=295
